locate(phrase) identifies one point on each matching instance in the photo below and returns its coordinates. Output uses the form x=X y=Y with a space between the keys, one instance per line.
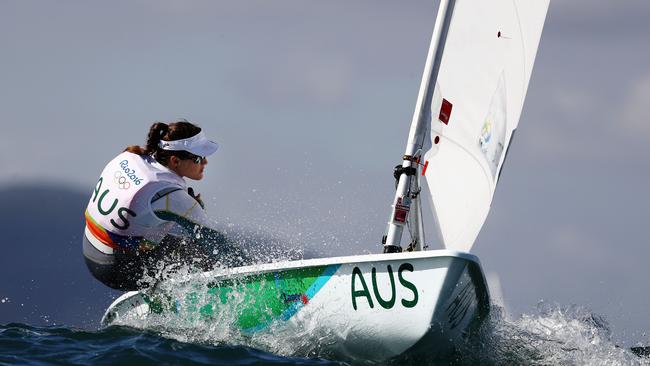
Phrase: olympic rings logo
x=121 y=181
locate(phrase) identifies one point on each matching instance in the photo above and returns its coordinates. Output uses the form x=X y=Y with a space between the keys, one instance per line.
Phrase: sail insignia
x=493 y=132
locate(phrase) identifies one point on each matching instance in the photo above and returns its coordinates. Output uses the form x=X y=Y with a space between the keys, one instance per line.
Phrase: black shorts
x=121 y=271
x=135 y=270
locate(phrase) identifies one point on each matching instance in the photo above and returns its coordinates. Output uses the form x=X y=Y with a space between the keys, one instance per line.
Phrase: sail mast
x=421 y=119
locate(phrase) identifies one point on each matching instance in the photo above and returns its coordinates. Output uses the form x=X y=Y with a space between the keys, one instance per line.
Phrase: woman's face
x=187 y=167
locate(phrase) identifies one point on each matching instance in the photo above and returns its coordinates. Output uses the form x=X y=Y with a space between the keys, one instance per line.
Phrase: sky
x=311 y=102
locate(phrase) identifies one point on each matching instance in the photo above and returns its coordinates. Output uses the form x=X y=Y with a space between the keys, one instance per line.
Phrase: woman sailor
x=142 y=217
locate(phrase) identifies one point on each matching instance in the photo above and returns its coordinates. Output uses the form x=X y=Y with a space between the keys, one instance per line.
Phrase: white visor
x=197 y=145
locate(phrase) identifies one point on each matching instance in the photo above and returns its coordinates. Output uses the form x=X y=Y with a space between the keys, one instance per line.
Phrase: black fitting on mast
x=392 y=249
x=399 y=170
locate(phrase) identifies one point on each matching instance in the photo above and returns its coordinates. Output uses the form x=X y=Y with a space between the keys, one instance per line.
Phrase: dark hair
x=178 y=130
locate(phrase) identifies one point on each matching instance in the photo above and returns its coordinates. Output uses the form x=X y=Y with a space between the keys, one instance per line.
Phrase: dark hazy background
x=311 y=102
x=44 y=277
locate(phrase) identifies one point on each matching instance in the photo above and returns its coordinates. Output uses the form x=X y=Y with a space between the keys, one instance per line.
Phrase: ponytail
x=169 y=132
x=156 y=133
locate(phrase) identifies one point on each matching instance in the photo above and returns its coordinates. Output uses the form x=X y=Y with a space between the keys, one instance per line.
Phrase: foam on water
x=553 y=335
x=186 y=324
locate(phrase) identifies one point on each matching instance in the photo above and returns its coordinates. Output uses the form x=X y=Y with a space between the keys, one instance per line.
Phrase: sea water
x=552 y=335
x=21 y=344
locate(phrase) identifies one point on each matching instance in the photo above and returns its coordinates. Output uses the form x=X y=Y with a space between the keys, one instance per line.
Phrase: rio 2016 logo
x=124 y=164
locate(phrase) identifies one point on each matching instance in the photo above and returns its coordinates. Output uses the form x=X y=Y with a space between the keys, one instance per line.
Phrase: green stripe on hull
x=254 y=301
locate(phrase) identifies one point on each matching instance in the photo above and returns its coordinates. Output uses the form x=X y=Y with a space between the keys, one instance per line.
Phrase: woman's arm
x=193 y=224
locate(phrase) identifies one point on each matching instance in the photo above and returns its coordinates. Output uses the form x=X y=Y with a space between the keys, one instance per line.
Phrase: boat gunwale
x=315 y=262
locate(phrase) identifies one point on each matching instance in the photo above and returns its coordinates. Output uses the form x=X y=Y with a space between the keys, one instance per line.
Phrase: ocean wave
x=25 y=344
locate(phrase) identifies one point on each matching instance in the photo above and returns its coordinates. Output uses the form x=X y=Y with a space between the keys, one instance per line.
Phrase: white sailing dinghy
x=400 y=302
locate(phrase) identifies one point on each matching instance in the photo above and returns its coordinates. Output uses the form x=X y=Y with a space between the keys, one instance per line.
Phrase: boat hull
x=372 y=307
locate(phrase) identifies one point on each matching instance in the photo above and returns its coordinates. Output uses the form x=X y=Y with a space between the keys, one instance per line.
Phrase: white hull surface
x=370 y=307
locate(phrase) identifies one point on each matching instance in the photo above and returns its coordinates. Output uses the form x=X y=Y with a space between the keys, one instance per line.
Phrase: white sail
x=479 y=94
